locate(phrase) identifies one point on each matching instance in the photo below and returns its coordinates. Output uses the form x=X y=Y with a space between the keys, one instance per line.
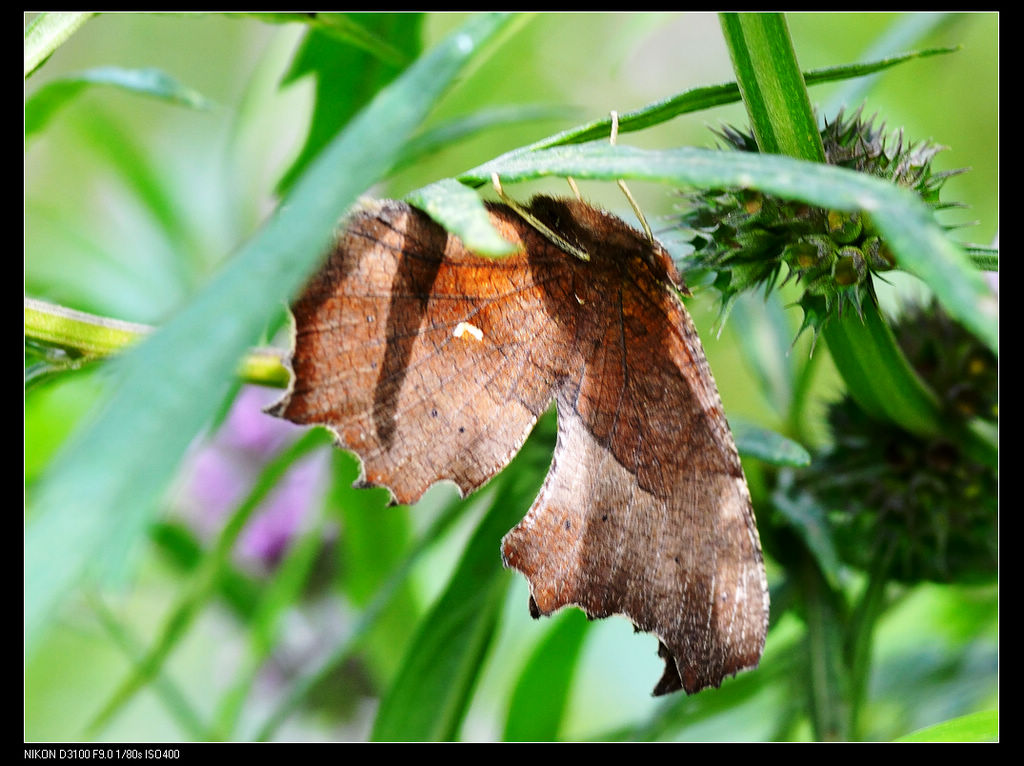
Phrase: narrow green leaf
x=461 y=211
x=173 y=699
x=346 y=77
x=374 y=538
x=767 y=445
x=450 y=131
x=111 y=475
x=433 y=689
x=808 y=519
x=920 y=245
x=975 y=727
x=370 y=616
x=45 y=102
x=203 y=585
x=346 y=29
x=375 y=541
x=429 y=697
x=925 y=251
x=986 y=258
x=541 y=693
x=706 y=97
x=46 y=33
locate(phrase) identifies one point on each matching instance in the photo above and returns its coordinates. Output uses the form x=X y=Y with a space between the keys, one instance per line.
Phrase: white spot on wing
x=463 y=328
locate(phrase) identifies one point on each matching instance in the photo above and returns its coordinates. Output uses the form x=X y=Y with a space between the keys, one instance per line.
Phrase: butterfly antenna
x=574 y=187
x=531 y=219
x=622 y=184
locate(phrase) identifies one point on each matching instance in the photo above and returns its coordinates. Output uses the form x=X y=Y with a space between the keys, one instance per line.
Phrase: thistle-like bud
x=746 y=237
x=925 y=503
x=851 y=268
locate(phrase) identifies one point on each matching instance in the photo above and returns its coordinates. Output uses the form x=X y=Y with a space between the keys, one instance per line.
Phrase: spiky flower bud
x=745 y=237
x=924 y=502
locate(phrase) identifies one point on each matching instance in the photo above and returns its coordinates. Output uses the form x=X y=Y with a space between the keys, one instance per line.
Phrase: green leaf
x=347 y=77
x=173 y=699
x=46 y=33
x=985 y=258
x=975 y=727
x=450 y=131
x=541 y=693
x=803 y=513
x=429 y=697
x=706 y=97
x=920 y=245
x=767 y=445
x=45 y=102
x=112 y=474
x=203 y=585
x=351 y=29
x=460 y=210
x=375 y=539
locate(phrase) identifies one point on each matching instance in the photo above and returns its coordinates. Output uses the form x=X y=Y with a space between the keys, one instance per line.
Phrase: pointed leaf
x=428 y=699
x=168 y=387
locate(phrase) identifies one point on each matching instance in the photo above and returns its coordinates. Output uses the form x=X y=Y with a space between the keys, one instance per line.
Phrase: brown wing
x=419 y=355
x=430 y=363
x=645 y=511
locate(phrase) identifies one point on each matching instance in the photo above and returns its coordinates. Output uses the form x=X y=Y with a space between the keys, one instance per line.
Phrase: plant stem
x=772 y=85
x=88 y=337
x=878 y=375
x=47 y=32
x=861 y=632
x=783 y=122
x=167 y=691
x=827 y=684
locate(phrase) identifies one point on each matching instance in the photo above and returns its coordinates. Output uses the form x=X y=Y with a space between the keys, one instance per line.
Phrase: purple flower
x=225 y=467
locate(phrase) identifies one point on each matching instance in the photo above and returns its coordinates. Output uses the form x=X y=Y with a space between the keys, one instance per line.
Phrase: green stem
x=87 y=337
x=772 y=85
x=862 y=628
x=167 y=691
x=878 y=375
x=885 y=385
x=46 y=33
x=783 y=122
x=826 y=679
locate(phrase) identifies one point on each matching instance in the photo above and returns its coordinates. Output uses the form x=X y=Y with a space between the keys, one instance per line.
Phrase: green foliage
x=408 y=612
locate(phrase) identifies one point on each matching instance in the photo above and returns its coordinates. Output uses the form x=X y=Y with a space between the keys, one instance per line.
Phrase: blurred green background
x=132 y=203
